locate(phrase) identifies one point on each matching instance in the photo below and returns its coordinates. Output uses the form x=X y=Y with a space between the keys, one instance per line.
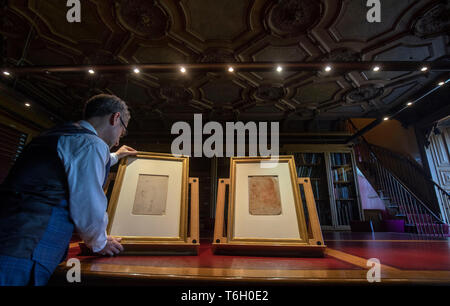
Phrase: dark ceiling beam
x=377 y=121
x=364 y=130
x=250 y=66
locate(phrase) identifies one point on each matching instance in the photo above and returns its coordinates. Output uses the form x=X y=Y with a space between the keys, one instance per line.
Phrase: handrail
x=404 y=158
x=402 y=199
x=409 y=175
x=417 y=167
x=400 y=181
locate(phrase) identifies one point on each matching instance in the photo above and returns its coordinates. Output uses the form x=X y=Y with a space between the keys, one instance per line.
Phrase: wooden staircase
x=401 y=202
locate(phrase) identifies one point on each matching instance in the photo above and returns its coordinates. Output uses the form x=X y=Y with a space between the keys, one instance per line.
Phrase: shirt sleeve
x=114 y=159
x=84 y=160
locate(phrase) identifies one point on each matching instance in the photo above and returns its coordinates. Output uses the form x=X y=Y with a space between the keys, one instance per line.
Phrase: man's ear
x=114 y=118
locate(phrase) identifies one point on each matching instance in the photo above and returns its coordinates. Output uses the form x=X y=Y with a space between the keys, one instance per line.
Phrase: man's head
x=109 y=115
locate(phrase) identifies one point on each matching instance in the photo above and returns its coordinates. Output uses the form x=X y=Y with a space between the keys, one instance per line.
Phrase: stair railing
x=445 y=202
x=411 y=174
x=417 y=214
x=410 y=206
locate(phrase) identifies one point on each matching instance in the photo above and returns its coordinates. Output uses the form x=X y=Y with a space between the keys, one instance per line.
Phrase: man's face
x=117 y=130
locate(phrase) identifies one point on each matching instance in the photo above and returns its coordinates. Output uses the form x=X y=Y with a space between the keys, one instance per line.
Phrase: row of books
x=338 y=159
x=342 y=174
x=344 y=213
x=308 y=171
x=343 y=192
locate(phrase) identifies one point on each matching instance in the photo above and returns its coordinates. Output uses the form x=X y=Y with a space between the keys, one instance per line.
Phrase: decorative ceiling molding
x=288 y=18
x=434 y=21
x=208 y=36
x=143 y=17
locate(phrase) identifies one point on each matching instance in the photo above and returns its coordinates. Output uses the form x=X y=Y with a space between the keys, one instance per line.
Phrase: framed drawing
x=151 y=201
x=265 y=210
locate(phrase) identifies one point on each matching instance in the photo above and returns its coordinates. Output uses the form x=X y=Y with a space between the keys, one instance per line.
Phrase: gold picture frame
x=175 y=237
x=285 y=233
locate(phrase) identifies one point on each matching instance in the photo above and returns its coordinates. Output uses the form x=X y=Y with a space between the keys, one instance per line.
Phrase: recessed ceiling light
x=328 y=68
x=386 y=118
x=91 y=71
x=376 y=68
x=183 y=70
x=6 y=73
x=409 y=103
x=27 y=104
x=136 y=70
x=424 y=68
x=279 y=68
x=441 y=83
x=230 y=69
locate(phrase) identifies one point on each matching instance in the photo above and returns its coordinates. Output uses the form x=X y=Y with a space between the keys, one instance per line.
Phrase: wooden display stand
x=188 y=247
x=314 y=248
x=111 y=178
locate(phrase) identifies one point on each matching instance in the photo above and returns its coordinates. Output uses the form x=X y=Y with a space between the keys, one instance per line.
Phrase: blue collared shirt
x=85 y=157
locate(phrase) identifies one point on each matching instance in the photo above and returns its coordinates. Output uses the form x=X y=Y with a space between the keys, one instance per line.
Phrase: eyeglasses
x=125 y=131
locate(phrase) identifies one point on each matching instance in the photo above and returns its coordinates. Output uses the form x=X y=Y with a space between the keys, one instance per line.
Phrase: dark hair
x=102 y=105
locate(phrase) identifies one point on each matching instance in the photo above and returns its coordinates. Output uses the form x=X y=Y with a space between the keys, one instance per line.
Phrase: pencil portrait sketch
x=264 y=195
x=151 y=195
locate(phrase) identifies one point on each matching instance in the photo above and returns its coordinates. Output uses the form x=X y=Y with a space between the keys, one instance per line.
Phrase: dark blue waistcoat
x=34 y=213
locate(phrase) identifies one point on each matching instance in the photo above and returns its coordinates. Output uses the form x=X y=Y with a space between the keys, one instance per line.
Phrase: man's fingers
x=115 y=246
x=110 y=251
x=115 y=250
x=112 y=247
x=119 y=246
x=130 y=148
x=116 y=239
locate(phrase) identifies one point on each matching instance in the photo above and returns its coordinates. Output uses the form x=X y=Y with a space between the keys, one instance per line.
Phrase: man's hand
x=125 y=151
x=112 y=246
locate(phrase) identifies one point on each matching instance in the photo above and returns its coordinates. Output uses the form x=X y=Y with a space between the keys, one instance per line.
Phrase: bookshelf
x=313 y=165
x=332 y=171
x=342 y=175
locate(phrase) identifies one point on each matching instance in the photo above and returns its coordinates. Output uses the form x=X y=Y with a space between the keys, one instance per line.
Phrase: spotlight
x=279 y=68
x=386 y=118
x=376 y=68
x=27 y=104
x=409 y=103
x=327 y=68
x=230 y=69
x=6 y=73
x=136 y=70
x=183 y=70
x=441 y=83
x=424 y=68
x=91 y=71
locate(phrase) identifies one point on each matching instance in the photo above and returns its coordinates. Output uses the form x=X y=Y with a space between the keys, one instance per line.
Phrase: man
x=56 y=187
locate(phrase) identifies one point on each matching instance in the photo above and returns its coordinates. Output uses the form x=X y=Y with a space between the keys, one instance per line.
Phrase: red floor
x=206 y=259
x=404 y=258
x=402 y=251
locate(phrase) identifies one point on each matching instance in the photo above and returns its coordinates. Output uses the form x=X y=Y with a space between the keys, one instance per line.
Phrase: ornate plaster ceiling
x=36 y=32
